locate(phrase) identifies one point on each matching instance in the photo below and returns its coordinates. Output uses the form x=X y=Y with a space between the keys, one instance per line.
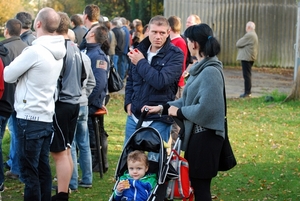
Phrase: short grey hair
x=117 y=22
x=251 y=25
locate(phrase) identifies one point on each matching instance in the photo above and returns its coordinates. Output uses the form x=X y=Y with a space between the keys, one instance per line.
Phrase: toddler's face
x=136 y=169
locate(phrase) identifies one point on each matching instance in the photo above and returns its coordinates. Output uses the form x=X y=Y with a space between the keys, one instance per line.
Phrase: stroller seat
x=148 y=139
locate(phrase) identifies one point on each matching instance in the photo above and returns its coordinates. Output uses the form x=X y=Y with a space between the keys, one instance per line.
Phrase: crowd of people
x=56 y=79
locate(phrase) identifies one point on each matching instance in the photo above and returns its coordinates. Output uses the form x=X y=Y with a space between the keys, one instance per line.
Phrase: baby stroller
x=148 y=139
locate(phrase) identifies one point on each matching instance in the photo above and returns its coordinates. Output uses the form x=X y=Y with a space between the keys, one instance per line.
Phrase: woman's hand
x=173 y=111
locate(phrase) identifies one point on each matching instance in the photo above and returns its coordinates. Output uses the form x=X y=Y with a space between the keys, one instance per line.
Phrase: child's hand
x=122 y=185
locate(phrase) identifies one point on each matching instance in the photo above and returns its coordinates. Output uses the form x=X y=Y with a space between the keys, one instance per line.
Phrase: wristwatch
x=161 y=110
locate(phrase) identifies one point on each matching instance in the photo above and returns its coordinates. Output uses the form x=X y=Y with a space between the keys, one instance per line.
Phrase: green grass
x=265 y=139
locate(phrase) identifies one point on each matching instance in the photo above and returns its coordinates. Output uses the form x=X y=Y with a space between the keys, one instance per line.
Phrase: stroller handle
x=142 y=117
x=179 y=122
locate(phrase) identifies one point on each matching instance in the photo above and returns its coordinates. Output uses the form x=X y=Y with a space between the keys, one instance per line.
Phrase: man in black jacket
x=6 y=107
x=15 y=46
x=26 y=33
x=156 y=66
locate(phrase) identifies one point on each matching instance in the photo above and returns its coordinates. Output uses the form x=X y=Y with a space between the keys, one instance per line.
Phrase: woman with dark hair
x=202 y=110
x=138 y=35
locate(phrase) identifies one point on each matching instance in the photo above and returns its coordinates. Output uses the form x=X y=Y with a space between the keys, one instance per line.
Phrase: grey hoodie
x=202 y=100
x=37 y=70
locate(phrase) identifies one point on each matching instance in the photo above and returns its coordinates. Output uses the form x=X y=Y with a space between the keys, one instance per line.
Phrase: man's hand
x=128 y=108
x=105 y=108
x=151 y=109
x=135 y=56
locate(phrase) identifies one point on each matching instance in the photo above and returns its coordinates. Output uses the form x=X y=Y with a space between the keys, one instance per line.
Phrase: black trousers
x=201 y=189
x=247 y=67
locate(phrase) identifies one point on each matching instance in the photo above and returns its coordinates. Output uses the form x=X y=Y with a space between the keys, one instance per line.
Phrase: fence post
x=297 y=57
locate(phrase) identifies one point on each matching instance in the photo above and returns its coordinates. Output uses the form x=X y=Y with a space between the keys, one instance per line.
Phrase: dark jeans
x=3 y=122
x=34 y=148
x=247 y=67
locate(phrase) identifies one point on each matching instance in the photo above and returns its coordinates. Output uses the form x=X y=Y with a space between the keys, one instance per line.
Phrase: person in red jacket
x=1 y=78
x=177 y=40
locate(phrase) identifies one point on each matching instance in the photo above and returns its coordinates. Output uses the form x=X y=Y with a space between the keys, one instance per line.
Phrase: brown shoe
x=11 y=175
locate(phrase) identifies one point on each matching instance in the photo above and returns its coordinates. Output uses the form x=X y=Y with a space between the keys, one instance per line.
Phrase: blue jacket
x=98 y=58
x=155 y=83
x=27 y=37
x=139 y=190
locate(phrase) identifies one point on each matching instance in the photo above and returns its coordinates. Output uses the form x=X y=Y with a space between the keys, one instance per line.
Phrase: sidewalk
x=264 y=81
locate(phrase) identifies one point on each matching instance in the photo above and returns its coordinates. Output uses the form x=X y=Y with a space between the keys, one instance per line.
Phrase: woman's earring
x=194 y=46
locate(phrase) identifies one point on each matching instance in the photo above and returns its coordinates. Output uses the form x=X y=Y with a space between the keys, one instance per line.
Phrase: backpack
x=180 y=188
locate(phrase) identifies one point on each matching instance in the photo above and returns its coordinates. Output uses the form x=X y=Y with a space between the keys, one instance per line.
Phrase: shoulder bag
x=227 y=159
x=115 y=82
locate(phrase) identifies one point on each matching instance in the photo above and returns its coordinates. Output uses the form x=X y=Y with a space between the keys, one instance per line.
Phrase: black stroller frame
x=148 y=139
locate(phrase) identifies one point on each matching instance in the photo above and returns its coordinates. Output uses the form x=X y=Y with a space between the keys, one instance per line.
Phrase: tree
x=7 y=11
x=295 y=94
x=68 y=6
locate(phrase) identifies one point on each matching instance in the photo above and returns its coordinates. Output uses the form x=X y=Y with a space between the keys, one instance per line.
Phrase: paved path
x=264 y=81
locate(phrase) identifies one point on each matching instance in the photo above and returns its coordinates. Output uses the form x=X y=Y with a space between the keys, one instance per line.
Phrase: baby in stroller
x=135 y=184
x=145 y=139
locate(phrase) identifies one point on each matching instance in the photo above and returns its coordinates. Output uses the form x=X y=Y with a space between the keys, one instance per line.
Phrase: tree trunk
x=295 y=94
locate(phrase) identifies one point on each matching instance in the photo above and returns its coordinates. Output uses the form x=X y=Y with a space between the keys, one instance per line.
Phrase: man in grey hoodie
x=34 y=103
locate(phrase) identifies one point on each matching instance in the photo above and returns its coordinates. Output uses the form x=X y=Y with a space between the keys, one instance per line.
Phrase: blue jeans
x=3 y=122
x=34 y=147
x=82 y=141
x=13 y=161
x=163 y=129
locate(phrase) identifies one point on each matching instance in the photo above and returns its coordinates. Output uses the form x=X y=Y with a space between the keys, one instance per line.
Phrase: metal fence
x=275 y=21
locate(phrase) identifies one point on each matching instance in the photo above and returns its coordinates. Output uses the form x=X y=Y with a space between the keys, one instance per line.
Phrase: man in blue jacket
x=97 y=99
x=153 y=77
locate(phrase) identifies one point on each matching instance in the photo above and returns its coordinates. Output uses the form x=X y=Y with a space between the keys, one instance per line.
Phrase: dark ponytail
x=203 y=35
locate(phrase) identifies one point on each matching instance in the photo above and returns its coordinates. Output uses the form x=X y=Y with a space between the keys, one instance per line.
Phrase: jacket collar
x=26 y=33
x=8 y=40
x=145 y=44
x=90 y=46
